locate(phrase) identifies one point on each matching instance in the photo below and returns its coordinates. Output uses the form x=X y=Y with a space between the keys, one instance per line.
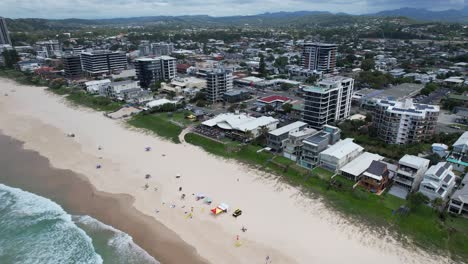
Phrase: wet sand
x=29 y=171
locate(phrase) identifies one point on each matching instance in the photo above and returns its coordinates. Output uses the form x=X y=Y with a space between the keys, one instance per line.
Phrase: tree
x=311 y=79
x=269 y=108
x=286 y=86
x=368 y=64
x=287 y=107
x=262 y=67
x=10 y=58
x=281 y=62
x=429 y=88
x=417 y=199
x=270 y=58
x=156 y=86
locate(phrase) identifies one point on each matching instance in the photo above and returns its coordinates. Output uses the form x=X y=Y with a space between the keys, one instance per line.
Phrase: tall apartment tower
x=72 y=66
x=404 y=122
x=162 y=48
x=4 y=35
x=168 y=67
x=218 y=82
x=319 y=56
x=99 y=62
x=151 y=70
x=328 y=102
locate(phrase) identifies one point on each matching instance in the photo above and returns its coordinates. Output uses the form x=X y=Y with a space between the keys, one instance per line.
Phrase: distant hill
x=283 y=19
x=452 y=15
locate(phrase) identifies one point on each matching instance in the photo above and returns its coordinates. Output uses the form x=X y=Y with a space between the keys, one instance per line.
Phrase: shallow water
x=34 y=229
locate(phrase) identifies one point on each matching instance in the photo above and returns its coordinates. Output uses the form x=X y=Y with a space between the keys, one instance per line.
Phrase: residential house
x=459 y=201
x=410 y=172
x=313 y=145
x=353 y=170
x=97 y=87
x=376 y=177
x=293 y=145
x=277 y=138
x=459 y=155
x=438 y=181
x=339 y=154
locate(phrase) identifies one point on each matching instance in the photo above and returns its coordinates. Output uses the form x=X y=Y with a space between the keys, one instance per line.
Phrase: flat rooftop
x=287 y=128
x=342 y=148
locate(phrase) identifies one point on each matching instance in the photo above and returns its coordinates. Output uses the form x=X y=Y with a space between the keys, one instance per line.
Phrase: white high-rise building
x=103 y=62
x=218 y=82
x=328 y=102
x=404 y=122
x=320 y=57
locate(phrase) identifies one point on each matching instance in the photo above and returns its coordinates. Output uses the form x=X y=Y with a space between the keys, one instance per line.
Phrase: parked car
x=237 y=213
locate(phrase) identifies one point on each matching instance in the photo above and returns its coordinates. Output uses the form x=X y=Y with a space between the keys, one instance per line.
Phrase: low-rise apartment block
x=276 y=139
x=404 y=122
x=315 y=144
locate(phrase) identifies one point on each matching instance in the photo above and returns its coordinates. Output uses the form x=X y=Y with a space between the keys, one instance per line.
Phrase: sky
x=135 y=8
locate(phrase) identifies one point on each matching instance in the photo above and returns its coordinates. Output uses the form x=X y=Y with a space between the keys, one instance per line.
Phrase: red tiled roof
x=274 y=98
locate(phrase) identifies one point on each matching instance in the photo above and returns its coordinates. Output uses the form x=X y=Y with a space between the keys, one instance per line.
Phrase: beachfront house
x=376 y=178
x=123 y=90
x=438 y=181
x=459 y=201
x=408 y=175
x=97 y=87
x=353 y=170
x=293 y=145
x=316 y=143
x=459 y=155
x=339 y=154
x=276 y=139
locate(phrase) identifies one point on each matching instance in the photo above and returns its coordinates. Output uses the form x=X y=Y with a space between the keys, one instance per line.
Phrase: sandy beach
x=27 y=170
x=281 y=222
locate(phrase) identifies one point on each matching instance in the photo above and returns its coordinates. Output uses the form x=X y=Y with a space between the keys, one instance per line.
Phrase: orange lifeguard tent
x=216 y=211
x=221 y=208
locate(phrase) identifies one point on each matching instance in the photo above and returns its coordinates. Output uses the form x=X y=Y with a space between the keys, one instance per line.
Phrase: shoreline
x=282 y=223
x=78 y=197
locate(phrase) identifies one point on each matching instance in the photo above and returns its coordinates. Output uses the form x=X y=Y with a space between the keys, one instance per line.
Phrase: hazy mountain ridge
x=293 y=19
x=451 y=15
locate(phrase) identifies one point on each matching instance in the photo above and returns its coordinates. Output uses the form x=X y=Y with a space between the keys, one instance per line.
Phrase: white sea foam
x=34 y=229
x=122 y=243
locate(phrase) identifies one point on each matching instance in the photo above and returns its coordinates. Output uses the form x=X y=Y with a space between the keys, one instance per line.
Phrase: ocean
x=34 y=229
